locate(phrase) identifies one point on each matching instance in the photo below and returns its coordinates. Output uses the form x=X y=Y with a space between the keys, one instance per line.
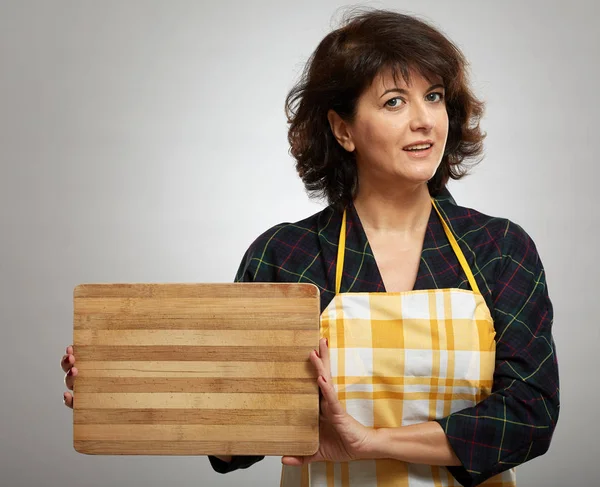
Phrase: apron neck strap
x=454 y=244
x=339 y=266
x=459 y=253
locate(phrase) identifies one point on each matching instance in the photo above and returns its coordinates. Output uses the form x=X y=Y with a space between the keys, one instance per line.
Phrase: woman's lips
x=419 y=154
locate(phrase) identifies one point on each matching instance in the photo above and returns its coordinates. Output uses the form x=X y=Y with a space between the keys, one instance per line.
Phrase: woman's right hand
x=68 y=365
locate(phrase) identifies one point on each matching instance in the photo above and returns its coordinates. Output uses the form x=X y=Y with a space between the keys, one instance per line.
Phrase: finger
x=68 y=399
x=330 y=396
x=293 y=461
x=324 y=354
x=67 y=362
x=321 y=359
x=299 y=461
x=318 y=363
x=70 y=378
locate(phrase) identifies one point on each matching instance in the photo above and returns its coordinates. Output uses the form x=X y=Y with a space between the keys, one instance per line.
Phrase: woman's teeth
x=419 y=147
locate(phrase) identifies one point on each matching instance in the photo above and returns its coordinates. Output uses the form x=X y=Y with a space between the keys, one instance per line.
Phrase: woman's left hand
x=341 y=437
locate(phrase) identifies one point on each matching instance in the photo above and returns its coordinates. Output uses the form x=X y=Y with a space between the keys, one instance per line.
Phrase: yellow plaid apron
x=403 y=358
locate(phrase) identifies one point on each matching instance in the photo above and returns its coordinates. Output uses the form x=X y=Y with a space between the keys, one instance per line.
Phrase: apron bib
x=403 y=358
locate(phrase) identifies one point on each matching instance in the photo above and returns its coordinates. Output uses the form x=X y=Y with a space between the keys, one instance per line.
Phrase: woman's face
x=399 y=131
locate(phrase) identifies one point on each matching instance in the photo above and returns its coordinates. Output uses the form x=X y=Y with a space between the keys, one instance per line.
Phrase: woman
x=436 y=364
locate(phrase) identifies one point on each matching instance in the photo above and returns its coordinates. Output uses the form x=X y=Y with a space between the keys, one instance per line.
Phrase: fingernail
x=324 y=379
x=326 y=342
x=317 y=353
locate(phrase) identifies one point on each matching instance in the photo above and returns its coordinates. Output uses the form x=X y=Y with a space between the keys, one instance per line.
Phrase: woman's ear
x=340 y=130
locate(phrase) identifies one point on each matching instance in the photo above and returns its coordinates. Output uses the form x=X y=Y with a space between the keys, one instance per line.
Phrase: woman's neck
x=394 y=211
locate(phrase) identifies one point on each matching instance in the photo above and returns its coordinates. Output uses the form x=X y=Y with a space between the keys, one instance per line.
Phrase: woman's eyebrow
x=405 y=92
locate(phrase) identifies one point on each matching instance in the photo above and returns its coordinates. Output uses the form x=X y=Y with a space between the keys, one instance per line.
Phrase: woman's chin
x=405 y=175
x=421 y=174
x=416 y=178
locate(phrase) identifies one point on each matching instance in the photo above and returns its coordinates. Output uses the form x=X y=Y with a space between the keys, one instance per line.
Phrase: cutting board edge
x=82 y=285
x=300 y=452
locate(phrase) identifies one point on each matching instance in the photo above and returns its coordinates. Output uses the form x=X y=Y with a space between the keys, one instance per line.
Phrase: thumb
x=299 y=461
x=293 y=461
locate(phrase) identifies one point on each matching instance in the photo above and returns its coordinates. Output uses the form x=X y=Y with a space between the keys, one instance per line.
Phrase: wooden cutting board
x=196 y=369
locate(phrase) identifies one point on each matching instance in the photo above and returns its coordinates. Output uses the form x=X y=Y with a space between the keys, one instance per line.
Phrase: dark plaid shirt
x=514 y=424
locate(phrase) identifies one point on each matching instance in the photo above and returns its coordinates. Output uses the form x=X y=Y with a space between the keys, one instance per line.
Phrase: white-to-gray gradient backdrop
x=145 y=141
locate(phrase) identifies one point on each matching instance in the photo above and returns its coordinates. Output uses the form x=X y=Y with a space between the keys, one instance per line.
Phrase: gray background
x=145 y=141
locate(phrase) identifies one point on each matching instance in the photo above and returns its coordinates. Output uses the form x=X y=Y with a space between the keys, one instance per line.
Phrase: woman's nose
x=421 y=117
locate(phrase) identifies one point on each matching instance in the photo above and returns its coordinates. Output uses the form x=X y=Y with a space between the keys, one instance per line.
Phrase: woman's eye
x=435 y=96
x=394 y=102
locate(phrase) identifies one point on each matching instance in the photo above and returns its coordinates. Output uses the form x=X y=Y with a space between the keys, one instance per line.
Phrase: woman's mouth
x=419 y=150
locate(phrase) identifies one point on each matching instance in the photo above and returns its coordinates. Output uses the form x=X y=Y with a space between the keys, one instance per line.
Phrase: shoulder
x=480 y=232
x=284 y=236
x=499 y=251
x=287 y=243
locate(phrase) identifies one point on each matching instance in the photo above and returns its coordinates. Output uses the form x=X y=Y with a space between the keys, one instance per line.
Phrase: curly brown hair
x=343 y=65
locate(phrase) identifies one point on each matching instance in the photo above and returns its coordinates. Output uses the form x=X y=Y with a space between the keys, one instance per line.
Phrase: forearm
x=423 y=443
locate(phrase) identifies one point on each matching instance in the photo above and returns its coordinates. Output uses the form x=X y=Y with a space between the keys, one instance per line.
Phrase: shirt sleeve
x=237 y=462
x=244 y=274
x=516 y=422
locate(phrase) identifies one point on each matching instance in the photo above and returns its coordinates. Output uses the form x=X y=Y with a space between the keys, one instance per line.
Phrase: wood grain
x=195 y=369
